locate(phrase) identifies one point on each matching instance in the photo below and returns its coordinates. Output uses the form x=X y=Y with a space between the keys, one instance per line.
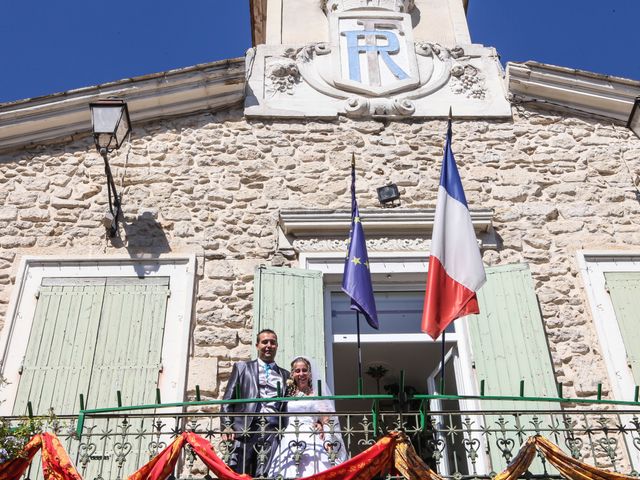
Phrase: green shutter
x=509 y=345
x=289 y=301
x=624 y=289
x=57 y=363
x=129 y=342
x=508 y=339
x=93 y=336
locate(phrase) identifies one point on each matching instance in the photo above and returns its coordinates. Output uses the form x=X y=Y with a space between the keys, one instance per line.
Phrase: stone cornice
x=316 y=223
x=211 y=86
x=588 y=92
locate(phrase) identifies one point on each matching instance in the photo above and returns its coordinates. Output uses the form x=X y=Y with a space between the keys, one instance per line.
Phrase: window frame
x=180 y=269
x=593 y=265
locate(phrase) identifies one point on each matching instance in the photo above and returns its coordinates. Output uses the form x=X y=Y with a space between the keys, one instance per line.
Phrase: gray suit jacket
x=244 y=380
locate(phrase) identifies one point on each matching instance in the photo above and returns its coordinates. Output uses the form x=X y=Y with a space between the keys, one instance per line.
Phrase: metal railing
x=112 y=443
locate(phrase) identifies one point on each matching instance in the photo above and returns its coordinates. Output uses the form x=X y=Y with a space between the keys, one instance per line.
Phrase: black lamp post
x=111 y=125
x=634 y=119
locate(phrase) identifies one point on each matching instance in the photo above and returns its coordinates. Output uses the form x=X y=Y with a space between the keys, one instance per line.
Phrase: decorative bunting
x=391 y=452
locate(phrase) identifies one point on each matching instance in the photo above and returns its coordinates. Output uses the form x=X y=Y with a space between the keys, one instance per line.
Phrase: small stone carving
x=306 y=53
x=282 y=75
x=467 y=80
x=356 y=107
x=404 y=106
x=363 y=107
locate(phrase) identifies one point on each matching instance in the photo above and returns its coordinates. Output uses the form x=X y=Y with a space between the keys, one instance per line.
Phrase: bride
x=311 y=442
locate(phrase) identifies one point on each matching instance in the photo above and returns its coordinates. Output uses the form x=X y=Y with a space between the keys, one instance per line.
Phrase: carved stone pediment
x=372 y=67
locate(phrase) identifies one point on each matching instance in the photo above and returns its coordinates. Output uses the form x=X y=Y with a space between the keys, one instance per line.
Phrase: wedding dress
x=302 y=450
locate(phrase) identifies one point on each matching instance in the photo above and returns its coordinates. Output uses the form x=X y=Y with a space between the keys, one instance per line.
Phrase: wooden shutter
x=289 y=301
x=624 y=289
x=57 y=364
x=509 y=345
x=508 y=339
x=129 y=342
x=93 y=336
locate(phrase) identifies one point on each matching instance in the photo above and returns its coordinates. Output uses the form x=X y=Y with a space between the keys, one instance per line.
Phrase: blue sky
x=53 y=46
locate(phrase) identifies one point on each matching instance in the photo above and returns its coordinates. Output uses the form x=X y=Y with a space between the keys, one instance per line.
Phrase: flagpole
x=442 y=366
x=356 y=279
x=359 y=354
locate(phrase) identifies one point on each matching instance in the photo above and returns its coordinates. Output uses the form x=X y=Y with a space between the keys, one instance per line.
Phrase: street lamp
x=111 y=125
x=634 y=119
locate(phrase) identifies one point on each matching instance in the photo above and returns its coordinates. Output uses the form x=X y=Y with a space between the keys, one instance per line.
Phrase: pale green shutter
x=129 y=342
x=57 y=364
x=93 y=336
x=508 y=339
x=509 y=345
x=289 y=301
x=624 y=289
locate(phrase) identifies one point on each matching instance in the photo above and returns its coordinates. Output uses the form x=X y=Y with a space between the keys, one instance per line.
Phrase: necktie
x=267 y=370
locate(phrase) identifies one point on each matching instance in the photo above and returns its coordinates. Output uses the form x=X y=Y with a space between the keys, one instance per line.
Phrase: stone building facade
x=556 y=180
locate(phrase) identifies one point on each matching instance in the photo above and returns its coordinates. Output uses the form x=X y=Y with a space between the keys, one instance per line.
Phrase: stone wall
x=213 y=184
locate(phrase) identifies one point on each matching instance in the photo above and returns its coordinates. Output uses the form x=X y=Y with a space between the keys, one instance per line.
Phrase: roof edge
x=209 y=86
x=592 y=93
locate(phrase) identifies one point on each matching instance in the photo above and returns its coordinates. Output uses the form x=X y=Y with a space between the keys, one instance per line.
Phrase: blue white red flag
x=455 y=265
x=356 y=280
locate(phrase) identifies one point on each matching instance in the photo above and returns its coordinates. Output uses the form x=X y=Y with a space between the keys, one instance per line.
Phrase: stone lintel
x=314 y=223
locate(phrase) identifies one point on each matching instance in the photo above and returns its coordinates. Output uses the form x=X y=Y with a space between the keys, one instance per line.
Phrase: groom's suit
x=254 y=380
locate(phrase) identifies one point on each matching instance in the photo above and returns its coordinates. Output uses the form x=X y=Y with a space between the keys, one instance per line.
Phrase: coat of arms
x=375 y=52
x=371 y=66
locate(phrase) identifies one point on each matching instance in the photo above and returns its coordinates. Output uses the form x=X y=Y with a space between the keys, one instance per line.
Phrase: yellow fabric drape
x=411 y=466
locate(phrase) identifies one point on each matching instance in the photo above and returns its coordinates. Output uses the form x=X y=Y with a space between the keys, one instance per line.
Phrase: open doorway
x=399 y=347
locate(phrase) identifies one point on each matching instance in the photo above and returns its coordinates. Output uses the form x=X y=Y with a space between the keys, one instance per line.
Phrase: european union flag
x=356 y=280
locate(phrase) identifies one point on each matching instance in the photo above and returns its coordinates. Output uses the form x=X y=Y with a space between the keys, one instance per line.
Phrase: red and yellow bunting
x=392 y=453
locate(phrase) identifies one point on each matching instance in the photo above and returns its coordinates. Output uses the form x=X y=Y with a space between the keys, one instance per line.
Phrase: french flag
x=455 y=265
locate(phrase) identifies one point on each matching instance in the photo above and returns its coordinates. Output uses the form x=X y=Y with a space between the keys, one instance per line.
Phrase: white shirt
x=268 y=378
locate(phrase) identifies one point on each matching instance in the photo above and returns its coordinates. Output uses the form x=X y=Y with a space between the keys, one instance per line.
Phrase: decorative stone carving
x=337 y=6
x=376 y=107
x=283 y=75
x=376 y=244
x=465 y=78
x=372 y=68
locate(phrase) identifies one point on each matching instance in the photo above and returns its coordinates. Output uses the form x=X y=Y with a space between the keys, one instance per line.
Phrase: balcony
x=113 y=443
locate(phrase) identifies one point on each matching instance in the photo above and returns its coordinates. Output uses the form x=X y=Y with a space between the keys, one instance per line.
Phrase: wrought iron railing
x=110 y=444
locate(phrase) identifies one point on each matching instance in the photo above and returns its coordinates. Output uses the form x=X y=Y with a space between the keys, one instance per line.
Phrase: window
x=612 y=282
x=94 y=327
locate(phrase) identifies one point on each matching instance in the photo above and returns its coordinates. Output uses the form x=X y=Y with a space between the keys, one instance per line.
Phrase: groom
x=255 y=379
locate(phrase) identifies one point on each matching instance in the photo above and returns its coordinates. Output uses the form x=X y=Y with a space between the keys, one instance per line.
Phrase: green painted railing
x=374 y=398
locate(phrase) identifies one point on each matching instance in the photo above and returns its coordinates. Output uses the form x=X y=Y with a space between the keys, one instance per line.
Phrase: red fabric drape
x=160 y=466
x=207 y=454
x=378 y=459
x=56 y=464
x=13 y=469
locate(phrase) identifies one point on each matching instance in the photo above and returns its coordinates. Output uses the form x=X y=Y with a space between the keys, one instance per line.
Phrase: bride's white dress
x=301 y=451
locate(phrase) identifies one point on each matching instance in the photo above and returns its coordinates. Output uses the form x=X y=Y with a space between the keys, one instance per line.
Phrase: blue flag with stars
x=356 y=280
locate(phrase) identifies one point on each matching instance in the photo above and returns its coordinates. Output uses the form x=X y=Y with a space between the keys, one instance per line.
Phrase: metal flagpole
x=442 y=383
x=360 y=380
x=442 y=366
